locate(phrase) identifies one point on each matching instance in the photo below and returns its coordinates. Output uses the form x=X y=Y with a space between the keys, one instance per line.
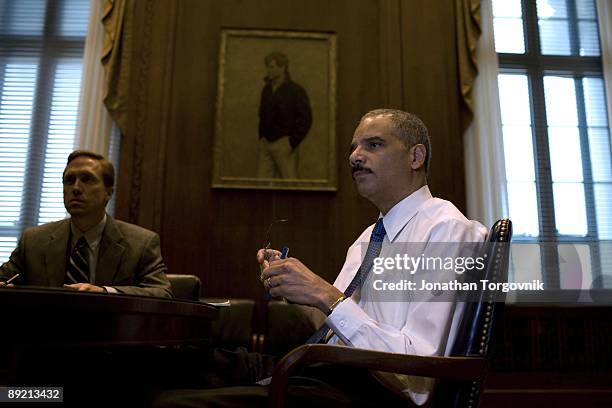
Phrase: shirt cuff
x=110 y=289
x=346 y=319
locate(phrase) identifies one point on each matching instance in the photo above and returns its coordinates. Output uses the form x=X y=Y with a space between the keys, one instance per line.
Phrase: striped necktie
x=376 y=239
x=78 y=263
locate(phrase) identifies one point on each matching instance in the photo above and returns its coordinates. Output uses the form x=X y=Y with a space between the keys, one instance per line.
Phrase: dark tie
x=376 y=239
x=78 y=263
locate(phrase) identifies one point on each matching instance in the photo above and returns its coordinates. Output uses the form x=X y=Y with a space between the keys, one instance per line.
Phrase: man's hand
x=85 y=287
x=4 y=285
x=264 y=257
x=292 y=280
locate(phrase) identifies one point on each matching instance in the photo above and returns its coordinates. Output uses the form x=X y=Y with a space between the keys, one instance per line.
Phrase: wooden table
x=49 y=316
x=57 y=336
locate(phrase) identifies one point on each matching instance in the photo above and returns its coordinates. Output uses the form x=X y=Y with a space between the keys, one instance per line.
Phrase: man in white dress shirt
x=389 y=158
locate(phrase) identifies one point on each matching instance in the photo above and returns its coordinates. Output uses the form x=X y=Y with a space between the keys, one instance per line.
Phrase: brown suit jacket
x=129 y=258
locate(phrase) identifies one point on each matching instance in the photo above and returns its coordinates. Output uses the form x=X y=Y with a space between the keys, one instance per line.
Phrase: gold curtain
x=468 y=32
x=117 y=17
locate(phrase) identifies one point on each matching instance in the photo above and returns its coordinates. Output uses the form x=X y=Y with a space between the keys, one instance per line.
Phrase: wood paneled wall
x=391 y=53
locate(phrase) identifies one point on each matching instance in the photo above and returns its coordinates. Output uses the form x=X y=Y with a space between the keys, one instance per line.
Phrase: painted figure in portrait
x=285 y=118
x=275 y=124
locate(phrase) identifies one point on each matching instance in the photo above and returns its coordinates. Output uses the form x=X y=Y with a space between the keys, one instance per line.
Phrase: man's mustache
x=359 y=167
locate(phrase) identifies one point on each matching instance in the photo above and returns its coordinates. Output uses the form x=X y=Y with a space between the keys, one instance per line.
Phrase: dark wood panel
x=554 y=355
x=431 y=89
x=388 y=55
x=562 y=339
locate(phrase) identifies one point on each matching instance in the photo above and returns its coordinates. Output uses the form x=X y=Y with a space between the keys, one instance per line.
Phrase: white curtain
x=94 y=129
x=483 y=142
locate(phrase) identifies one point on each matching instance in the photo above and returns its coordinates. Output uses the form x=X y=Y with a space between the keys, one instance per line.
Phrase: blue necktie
x=376 y=239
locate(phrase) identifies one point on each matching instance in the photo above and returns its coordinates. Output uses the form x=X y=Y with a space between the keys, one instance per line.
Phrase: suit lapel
x=56 y=253
x=109 y=256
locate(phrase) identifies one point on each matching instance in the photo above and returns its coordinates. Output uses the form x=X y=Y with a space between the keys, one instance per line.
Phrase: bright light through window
x=41 y=45
x=518 y=151
x=16 y=104
x=508 y=26
x=556 y=136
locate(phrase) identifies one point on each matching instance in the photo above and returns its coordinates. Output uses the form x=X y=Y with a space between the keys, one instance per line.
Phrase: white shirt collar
x=93 y=236
x=399 y=215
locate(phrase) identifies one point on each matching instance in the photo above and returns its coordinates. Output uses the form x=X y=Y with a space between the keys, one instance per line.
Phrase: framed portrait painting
x=276 y=111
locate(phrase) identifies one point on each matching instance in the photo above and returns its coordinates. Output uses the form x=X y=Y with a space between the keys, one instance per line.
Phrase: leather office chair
x=185 y=287
x=234 y=326
x=461 y=375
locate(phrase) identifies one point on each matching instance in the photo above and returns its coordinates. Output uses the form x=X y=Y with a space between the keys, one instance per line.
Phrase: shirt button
x=342 y=323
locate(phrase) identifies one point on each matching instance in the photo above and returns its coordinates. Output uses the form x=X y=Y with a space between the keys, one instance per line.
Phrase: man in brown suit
x=112 y=256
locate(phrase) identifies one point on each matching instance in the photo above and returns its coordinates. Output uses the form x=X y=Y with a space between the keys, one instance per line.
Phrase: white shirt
x=424 y=328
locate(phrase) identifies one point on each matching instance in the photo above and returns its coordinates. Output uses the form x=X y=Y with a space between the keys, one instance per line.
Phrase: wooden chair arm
x=454 y=368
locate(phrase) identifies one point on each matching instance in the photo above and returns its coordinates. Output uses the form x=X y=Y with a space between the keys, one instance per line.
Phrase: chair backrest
x=234 y=325
x=475 y=330
x=186 y=287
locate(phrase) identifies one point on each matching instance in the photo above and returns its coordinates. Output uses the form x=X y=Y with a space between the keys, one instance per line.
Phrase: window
x=41 y=51
x=556 y=134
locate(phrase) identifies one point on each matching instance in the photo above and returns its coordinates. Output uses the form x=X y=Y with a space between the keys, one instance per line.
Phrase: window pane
x=570 y=210
x=554 y=37
x=61 y=139
x=586 y=9
x=525 y=262
x=560 y=95
x=518 y=153
x=599 y=136
x=605 y=279
x=514 y=99
x=595 y=101
x=523 y=208
x=23 y=17
x=575 y=270
x=74 y=20
x=7 y=244
x=508 y=26
x=508 y=34
x=552 y=9
x=589 y=38
x=565 y=154
x=554 y=27
x=16 y=102
x=554 y=21
x=587 y=27
x=599 y=147
x=603 y=210
x=507 y=8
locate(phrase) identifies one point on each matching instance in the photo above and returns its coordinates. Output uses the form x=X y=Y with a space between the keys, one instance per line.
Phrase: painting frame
x=242 y=77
